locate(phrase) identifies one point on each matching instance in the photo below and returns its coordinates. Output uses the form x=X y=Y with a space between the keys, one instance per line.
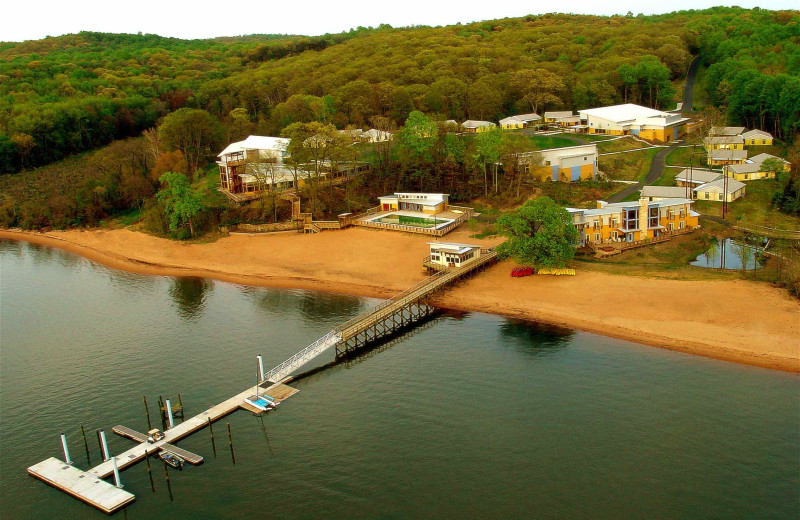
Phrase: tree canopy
x=540 y=233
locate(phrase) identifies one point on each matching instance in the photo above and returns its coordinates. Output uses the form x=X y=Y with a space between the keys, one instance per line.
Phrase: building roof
x=622 y=113
x=666 y=192
x=470 y=123
x=760 y=158
x=728 y=154
x=520 y=118
x=727 y=130
x=630 y=114
x=454 y=246
x=757 y=134
x=747 y=167
x=719 y=185
x=257 y=142
x=378 y=134
x=616 y=207
x=698 y=176
x=557 y=114
x=724 y=139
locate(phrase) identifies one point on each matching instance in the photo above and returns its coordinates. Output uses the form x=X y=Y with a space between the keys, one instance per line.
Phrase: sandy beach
x=740 y=321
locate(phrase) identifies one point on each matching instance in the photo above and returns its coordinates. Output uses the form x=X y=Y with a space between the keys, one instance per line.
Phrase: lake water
x=471 y=416
x=727 y=254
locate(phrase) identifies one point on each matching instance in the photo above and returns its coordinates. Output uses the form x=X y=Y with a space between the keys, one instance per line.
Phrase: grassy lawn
x=684 y=156
x=627 y=166
x=596 y=137
x=619 y=145
x=755 y=208
x=544 y=142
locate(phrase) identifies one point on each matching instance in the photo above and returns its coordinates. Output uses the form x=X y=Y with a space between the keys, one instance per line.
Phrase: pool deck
x=107 y=497
x=449 y=221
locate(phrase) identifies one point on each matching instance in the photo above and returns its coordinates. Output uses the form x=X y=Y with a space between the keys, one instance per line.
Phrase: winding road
x=659 y=161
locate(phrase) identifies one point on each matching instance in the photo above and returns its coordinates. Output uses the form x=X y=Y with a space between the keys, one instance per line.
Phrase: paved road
x=688 y=91
x=659 y=161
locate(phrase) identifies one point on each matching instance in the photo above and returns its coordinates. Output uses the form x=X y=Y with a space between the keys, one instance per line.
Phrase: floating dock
x=90 y=486
x=82 y=485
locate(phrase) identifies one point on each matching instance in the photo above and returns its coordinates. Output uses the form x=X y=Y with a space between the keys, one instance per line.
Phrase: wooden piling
x=169 y=486
x=230 y=443
x=147 y=411
x=149 y=471
x=86 y=445
x=211 y=431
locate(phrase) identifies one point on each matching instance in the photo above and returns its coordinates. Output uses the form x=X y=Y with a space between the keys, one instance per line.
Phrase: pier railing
x=290 y=365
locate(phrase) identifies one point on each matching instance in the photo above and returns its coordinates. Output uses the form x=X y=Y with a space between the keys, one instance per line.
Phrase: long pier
x=387 y=318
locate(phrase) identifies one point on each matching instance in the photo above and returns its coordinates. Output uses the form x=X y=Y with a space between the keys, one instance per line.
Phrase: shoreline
x=491 y=292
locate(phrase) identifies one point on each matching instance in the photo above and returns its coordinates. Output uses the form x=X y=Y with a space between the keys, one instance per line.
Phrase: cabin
x=726 y=157
x=554 y=116
x=567 y=164
x=519 y=121
x=633 y=221
x=757 y=138
x=695 y=177
x=476 y=127
x=245 y=166
x=415 y=202
x=726 y=130
x=753 y=169
x=724 y=142
x=718 y=191
x=655 y=193
x=451 y=254
x=631 y=119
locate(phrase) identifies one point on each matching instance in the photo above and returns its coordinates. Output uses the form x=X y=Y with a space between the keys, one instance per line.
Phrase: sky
x=36 y=19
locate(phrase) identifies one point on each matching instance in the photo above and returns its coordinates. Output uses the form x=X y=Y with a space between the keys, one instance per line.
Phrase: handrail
x=292 y=360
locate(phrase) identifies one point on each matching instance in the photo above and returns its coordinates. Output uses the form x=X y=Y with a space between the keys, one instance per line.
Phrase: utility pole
x=724 y=190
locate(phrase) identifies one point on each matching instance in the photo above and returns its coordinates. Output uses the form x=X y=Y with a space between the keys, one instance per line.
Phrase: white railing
x=303 y=357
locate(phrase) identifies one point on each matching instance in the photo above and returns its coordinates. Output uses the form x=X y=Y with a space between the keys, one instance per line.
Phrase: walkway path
x=659 y=161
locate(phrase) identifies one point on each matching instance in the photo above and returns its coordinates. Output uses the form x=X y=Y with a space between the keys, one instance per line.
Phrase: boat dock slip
x=188 y=456
x=84 y=486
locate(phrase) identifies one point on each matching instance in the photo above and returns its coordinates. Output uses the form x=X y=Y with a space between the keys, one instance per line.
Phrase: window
x=671 y=226
x=631 y=219
x=671 y=214
x=597 y=237
x=680 y=225
x=706 y=194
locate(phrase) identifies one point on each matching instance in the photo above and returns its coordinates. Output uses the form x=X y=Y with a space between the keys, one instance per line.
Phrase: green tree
x=194 y=132
x=538 y=87
x=488 y=148
x=540 y=233
x=181 y=202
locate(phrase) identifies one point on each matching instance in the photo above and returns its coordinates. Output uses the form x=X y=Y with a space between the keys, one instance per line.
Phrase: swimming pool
x=413 y=220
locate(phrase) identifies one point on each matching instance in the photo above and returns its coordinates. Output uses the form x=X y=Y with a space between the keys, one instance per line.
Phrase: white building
x=644 y=122
x=451 y=254
x=714 y=190
x=245 y=166
x=567 y=164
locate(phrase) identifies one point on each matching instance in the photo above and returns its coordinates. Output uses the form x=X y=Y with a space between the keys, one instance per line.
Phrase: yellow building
x=416 y=202
x=726 y=157
x=753 y=170
x=555 y=116
x=567 y=164
x=630 y=119
x=633 y=221
x=519 y=121
x=757 y=138
x=724 y=142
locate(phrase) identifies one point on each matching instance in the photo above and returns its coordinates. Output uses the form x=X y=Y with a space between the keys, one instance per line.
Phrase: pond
x=728 y=254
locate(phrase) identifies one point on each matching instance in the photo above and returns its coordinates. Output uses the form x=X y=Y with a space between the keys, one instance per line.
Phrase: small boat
x=171 y=459
x=260 y=402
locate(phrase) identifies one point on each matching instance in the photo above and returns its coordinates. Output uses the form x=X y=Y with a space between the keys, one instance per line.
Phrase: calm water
x=473 y=416
x=727 y=254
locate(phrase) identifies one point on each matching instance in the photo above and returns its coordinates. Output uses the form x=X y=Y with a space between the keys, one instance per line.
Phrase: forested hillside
x=65 y=95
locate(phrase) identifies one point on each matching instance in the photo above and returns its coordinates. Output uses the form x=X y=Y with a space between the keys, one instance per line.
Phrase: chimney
x=644 y=215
